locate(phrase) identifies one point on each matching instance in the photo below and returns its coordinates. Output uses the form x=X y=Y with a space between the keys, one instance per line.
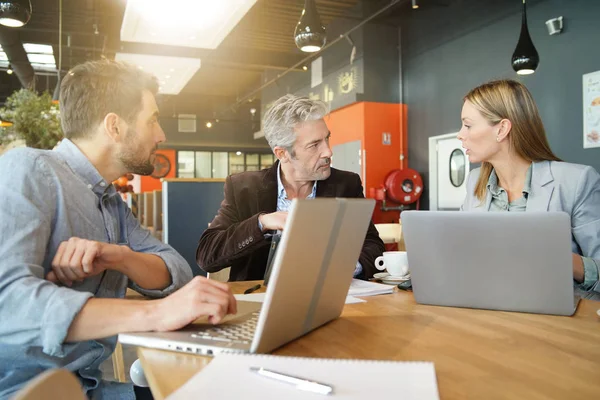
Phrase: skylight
x=189 y=23
x=173 y=73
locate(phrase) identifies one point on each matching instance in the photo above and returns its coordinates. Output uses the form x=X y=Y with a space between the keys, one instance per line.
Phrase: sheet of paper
x=364 y=288
x=350 y=379
x=256 y=297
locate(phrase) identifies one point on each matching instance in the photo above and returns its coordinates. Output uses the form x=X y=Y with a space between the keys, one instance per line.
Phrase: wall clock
x=162 y=166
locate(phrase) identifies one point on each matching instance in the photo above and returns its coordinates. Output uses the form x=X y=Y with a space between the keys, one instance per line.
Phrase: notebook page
x=228 y=376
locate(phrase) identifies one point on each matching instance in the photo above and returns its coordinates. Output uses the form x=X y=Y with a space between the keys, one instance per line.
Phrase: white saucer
x=391 y=280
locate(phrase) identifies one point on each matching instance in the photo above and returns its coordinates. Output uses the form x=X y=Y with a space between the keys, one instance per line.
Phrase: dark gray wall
x=374 y=70
x=234 y=130
x=381 y=64
x=449 y=50
x=224 y=134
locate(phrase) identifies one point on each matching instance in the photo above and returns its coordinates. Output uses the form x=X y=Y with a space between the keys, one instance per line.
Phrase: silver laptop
x=500 y=261
x=311 y=275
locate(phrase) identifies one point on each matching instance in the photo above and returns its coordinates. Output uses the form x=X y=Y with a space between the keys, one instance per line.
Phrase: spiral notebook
x=228 y=376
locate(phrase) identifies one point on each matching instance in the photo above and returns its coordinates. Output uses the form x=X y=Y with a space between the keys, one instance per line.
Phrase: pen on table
x=252 y=289
x=299 y=383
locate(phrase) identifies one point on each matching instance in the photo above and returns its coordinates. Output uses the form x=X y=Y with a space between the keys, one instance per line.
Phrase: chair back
x=220 y=276
x=391 y=233
x=54 y=384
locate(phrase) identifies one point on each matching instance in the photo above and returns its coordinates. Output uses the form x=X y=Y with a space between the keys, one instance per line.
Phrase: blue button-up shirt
x=284 y=204
x=46 y=197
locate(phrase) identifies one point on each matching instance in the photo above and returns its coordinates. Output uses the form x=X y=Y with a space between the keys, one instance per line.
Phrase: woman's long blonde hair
x=508 y=99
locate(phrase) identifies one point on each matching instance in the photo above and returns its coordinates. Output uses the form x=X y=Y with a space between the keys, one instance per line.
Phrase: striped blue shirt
x=47 y=197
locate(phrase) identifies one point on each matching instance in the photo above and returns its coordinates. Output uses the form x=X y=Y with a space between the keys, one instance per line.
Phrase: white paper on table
x=350 y=379
x=365 y=288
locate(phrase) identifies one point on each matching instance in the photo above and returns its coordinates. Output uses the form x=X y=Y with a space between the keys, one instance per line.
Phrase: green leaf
x=35 y=119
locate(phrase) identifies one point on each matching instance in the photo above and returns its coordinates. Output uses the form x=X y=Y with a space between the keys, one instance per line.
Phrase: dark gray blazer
x=234 y=238
x=560 y=186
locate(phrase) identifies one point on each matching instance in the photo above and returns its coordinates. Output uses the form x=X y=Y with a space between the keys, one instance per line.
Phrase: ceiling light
x=190 y=23
x=304 y=67
x=167 y=77
x=525 y=58
x=238 y=153
x=3 y=57
x=209 y=124
x=15 y=13
x=310 y=33
x=9 y=71
x=38 y=48
x=41 y=58
x=414 y=4
x=43 y=66
x=161 y=65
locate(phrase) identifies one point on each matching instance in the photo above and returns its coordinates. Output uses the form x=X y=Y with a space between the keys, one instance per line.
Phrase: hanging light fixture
x=525 y=59
x=310 y=33
x=15 y=13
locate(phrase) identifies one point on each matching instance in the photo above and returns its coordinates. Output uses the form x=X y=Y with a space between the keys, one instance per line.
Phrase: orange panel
x=380 y=119
x=347 y=124
x=367 y=122
x=381 y=158
x=148 y=183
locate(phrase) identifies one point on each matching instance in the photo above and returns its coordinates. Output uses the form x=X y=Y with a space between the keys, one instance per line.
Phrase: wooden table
x=478 y=354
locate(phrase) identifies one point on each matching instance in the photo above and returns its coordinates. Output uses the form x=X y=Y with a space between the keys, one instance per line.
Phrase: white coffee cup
x=395 y=262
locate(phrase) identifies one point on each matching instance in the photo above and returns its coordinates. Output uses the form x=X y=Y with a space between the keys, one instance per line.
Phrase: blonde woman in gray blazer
x=502 y=130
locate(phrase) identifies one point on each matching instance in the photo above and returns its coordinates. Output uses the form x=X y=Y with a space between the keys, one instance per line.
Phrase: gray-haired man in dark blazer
x=256 y=203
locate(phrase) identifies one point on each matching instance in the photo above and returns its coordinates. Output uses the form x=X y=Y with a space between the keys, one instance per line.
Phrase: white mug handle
x=379 y=263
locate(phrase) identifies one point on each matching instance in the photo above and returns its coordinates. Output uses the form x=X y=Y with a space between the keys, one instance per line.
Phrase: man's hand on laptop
x=273 y=221
x=77 y=259
x=201 y=297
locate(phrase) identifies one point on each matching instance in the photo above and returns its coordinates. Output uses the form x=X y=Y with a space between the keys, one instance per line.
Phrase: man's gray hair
x=287 y=112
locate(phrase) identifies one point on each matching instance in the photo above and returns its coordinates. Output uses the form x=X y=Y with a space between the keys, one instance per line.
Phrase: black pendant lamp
x=525 y=59
x=15 y=13
x=310 y=33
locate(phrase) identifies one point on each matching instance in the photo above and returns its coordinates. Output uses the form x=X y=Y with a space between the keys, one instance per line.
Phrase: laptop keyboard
x=242 y=332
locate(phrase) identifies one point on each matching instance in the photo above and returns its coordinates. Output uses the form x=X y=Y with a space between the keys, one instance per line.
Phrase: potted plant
x=35 y=119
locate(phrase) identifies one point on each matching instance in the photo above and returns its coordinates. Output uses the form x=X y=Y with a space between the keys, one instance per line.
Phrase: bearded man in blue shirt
x=70 y=247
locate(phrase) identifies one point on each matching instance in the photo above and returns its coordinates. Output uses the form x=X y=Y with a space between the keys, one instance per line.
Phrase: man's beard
x=323 y=173
x=132 y=160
